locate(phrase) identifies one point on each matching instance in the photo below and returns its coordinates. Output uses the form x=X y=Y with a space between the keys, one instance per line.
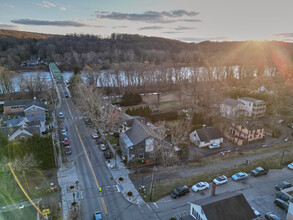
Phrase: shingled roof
x=224 y=206
x=209 y=133
x=17 y=102
x=35 y=103
x=138 y=132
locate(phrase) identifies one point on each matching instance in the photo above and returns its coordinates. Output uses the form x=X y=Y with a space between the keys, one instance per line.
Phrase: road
x=93 y=173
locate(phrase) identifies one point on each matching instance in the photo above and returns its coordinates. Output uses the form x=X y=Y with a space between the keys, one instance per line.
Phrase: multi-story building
x=253 y=107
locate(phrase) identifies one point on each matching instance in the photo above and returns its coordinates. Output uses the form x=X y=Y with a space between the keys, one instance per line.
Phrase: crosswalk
x=148 y=210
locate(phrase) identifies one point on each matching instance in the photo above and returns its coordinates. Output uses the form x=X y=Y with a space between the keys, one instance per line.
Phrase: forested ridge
x=81 y=50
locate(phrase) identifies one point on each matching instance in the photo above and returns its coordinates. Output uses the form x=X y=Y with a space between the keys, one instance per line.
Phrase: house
x=35 y=109
x=229 y=205
x=231 y=108
x=29 y=107
x=206 y=136
x=137 y=142
x=15 y=106
x=253 y=107
x=243 y=133
x=19 y=132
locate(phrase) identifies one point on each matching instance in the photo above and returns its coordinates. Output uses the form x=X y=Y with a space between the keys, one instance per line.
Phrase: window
x=141 y=156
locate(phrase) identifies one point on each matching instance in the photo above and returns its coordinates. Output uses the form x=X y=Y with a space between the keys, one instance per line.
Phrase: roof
x=227 y=205
x=249 y=99
x=231 y=102
x=17 y=102
x=208 y=133
x=126 y=140
x=138 y=132
x=36 y=104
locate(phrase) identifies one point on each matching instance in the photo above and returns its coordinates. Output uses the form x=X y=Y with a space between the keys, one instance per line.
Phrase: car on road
x=60 y=115
x=66 y=143
x=98 y=215
x=282 y=204
x=66 y=95
x=286 y=139
x=180 y=191
x=99 y=141
x=102 y=147
x=88 y=121
x=107 y=155
x=220 y=180
x=95 y=136
x=68 y=150
x=264 y=145
x=256 y=212
x=200 y=186
x=271 y=216
x=240 y=176
x=214 y=146
x=290 y=166
x=283 y=185
x=63 y=132
x=259 y=171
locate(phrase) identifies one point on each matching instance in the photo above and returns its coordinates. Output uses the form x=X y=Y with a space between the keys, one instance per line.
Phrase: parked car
x=63 y=132
x=240 y=176
x=88 y=121
x=271 y=216
x=220 y=180
x=99 y=141
x=102 y=147
x=95 y=136
x=259 y=171
x=214 y=146
x=65 y=139
x=98 y=215
x=283 y=185
x=290 y=166
x=68 y=150
x=107 y=155
x=256 y=212
x=286 y=139
x=66 y=143
x=200 y=186
x=66 y=95
x=60 y=115
x=282 y=204
x=180 y=191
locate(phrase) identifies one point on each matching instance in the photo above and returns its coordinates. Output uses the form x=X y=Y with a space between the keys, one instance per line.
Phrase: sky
x=185 y=20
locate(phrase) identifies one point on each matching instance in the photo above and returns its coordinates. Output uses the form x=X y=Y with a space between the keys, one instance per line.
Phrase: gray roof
x=8 y=131
x=15 y=121
x=249 y=99
x=209 y=133
x=138 y=132
x=225 y=206
x=231 y=102
x=17 y=102
x=126 y=140
x=35 y=103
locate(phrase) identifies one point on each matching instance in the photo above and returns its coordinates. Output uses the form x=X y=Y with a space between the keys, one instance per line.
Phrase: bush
x=165 y=116
x=130 y=98
x=140 y=111
x=130 y=194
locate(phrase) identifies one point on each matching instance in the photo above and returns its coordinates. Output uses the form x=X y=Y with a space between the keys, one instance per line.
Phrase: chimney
x=213 y=191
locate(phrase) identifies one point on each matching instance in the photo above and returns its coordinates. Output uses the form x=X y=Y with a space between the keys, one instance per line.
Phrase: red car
x=66 y=143
x=95 y=136
x=68 y=150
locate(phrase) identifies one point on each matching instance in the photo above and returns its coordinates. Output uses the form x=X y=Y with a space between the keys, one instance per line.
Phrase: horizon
x=187 y=20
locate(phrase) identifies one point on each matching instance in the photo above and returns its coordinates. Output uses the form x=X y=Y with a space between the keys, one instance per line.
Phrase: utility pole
x=151 y=189
x=282 y=157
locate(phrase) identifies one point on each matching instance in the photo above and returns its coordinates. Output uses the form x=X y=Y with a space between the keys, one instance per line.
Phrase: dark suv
x=180 y=191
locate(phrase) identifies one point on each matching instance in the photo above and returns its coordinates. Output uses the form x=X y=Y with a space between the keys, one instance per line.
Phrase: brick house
x=241 y=134
x=15 y=106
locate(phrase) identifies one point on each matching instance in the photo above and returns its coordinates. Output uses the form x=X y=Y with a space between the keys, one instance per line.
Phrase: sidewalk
x=121 y=176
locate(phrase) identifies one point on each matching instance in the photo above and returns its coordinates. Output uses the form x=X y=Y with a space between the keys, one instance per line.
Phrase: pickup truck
x=259 y=171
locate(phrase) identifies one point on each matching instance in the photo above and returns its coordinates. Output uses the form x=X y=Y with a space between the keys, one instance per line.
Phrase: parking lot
x=259 y=191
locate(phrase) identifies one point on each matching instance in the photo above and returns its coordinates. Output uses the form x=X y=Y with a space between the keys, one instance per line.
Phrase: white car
x=256 y=212
x=290 y=166
x=102 y=147
x=200 y=186
x=220 y=180
x=63 y=132
x=95 y=136
x=60 y=115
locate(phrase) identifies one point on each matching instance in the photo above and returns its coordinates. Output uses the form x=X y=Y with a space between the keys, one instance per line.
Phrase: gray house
x=137 y=142
x=35 y=109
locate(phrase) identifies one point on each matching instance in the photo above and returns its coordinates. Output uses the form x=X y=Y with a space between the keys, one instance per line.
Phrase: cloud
x=45 y=4
x=63 y=9
x=148 y=16
x=191 y=20
x=8 y=26
x=151 y=28
x=199 y=39
x=171 y=32
x=9 y=5
x=287 y=35
x=49 y=23
x=181 y=28
x=122 y=26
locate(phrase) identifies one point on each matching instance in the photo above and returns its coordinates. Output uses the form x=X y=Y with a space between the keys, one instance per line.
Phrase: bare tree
x=6 y=81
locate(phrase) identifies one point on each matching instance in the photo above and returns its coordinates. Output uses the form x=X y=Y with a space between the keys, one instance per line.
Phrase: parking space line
x=149 y=207
x=140 y=208
x=118 y=188
x=156 y=205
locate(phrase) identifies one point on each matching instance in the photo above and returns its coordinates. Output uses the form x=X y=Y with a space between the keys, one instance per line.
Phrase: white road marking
x=140 y=208
x=118 y=188
x=149 y=207
x=81 y=195
x=156 y=205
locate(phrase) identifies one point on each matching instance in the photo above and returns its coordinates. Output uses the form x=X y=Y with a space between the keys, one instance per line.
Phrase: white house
x=253 y=107
x=206 y=136
x=229 y=108
x=222 y=206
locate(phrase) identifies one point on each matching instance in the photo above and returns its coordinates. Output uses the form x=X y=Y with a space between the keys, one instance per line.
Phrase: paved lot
x=259 y=191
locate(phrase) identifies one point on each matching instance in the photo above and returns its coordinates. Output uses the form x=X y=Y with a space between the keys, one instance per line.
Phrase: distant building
x=244 y=133
x=30 y=107
x=231 y=108
x=221 y=207
x=206 y=136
